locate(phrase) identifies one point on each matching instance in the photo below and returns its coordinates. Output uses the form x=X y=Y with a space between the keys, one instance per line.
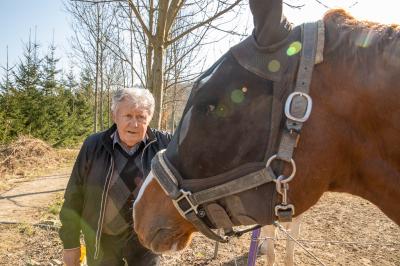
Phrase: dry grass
x=27 y=157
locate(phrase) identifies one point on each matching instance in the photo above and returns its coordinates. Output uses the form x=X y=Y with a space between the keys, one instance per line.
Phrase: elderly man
x=105 y=180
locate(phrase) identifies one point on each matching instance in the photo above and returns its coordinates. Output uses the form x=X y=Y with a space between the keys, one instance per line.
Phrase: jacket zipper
x=102 y=208
x=141 y=157
x=104 y=199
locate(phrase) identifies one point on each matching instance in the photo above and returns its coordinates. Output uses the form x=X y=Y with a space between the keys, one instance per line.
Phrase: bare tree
x=142 y=31
x=91 y=26
x=156 y=19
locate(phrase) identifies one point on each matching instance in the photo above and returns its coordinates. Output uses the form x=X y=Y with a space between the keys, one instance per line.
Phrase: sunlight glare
x=294 y=48
x=274 y=65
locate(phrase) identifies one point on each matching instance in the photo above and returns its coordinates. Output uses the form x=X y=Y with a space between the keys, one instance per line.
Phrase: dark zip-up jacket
x=87 y=189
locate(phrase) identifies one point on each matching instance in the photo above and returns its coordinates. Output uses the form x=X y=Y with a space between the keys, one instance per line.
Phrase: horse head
x=230 y=127
x=224 y=116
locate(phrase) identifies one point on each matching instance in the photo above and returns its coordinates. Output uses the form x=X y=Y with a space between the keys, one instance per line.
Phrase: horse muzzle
x=167 y=231
x=167 y=239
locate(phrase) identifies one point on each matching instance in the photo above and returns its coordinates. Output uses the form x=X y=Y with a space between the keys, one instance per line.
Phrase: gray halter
x=297 y=109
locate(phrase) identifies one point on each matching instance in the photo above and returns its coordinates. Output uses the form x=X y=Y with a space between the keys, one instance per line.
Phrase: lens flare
x=221 y=111
x=237 y=96
x=365 y=39
x=294 y=48
x=274 y=65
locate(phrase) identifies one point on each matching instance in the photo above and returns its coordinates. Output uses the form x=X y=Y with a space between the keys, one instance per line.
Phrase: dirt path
x=22 y=203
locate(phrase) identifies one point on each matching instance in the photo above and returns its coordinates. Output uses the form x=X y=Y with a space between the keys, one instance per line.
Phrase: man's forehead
x=129 y=106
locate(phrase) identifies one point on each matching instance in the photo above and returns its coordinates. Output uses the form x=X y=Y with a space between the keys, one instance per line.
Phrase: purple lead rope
x=251 y=260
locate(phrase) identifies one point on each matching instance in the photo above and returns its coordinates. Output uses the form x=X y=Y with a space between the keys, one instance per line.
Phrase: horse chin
x=167 y=240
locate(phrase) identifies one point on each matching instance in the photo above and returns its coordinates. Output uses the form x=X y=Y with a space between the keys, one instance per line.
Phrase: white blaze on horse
x=215 y=176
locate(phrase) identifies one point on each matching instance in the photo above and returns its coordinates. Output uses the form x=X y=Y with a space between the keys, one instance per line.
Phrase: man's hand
x=71 y=256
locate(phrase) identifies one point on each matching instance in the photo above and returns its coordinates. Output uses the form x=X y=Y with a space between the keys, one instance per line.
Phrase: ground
x=340 y=230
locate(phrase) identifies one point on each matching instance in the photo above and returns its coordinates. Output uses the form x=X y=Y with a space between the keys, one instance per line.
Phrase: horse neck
x=352 y=138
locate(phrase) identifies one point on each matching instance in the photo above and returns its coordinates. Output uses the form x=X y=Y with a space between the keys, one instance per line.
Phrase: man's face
x=132 y=122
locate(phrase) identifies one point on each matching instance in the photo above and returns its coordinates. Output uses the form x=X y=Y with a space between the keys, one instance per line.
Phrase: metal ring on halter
x=290 y=177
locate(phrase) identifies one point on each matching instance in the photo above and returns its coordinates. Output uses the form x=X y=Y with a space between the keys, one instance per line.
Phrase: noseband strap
x=188 y=203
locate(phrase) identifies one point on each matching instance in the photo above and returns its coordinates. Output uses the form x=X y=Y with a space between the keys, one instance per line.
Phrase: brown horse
x=351 y=143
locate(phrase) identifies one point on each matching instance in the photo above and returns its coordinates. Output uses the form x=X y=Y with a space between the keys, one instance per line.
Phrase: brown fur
x=351 y=143
x=160 y=234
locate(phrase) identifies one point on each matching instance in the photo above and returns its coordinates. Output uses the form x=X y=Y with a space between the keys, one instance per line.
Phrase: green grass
x=55 y=206
x=26 y=229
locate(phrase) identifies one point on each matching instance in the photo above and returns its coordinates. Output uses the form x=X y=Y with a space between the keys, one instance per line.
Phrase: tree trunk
x=101 y=112
x=108 y=105
x=173 y=109
x=96 y=86
x=149 y=57
x=157 y=86
x=131 y=47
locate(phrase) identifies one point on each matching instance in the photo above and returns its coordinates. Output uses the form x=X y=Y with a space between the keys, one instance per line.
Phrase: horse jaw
x=158 y=224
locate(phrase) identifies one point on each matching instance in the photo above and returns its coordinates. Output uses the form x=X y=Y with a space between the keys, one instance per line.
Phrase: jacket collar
x=150 y=135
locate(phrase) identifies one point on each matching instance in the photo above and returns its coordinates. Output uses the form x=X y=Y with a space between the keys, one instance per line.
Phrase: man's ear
x=149 y=119
x=113 y=116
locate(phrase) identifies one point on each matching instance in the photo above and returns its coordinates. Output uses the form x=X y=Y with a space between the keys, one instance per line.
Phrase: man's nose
x=133 y=122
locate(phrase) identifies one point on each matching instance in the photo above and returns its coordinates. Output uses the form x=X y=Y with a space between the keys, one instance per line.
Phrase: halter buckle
x=288 y=105
x=185 y=195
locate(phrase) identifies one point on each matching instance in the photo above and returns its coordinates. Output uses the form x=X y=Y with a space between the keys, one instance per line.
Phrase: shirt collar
x=116 y=140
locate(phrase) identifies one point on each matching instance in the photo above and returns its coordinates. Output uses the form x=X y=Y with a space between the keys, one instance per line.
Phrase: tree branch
x=173 y=10
x=139 y=17
x=203 y=23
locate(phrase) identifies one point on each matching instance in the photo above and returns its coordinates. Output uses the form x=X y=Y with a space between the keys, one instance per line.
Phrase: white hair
x=141 y=98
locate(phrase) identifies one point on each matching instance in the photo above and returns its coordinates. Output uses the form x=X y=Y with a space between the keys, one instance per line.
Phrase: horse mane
x=343 y=18
x=362 y=46
x=352 y=38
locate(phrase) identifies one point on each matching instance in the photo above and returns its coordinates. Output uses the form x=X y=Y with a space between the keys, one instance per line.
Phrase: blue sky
x=18 y=16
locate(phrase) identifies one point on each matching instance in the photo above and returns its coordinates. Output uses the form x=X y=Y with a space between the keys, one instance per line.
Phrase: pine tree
x=6 y=84
x=3 y=120
x=26 y=104
x=84 y=106
x=58 y=129
x=35 y=102
x=50 y=71
x=50 y=93
x=72 y=85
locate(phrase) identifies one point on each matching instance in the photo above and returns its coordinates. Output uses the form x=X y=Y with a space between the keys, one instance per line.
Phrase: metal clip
x=283 y=211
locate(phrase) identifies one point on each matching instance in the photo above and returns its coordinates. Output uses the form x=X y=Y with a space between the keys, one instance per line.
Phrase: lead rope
x=277 y=224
